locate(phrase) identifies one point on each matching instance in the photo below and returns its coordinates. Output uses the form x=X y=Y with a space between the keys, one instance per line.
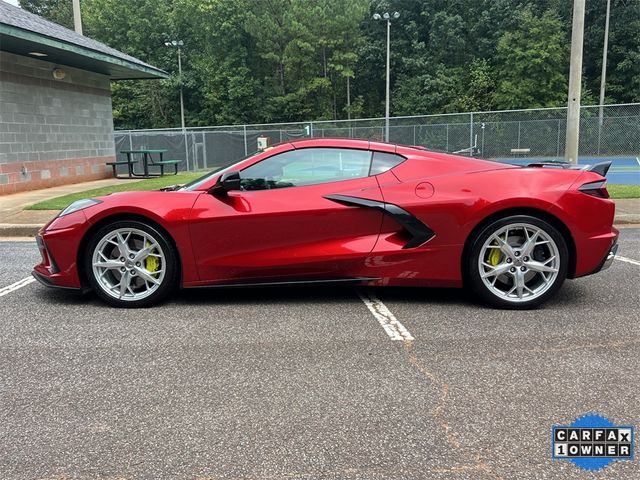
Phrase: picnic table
x=147 y=161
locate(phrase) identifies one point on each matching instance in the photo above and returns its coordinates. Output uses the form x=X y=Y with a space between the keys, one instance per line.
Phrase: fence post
x=519 y=124
x=310 y=129
x=244 y=129
x=130 y=141
x=558 y=141
x=204 y=150
x=186 y=149
x=447 y=149
x=414 y=134
x=471 y=134
x=194 y=150
x=600 y=122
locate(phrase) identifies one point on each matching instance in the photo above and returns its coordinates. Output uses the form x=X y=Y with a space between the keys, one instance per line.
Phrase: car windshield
x=194 y=184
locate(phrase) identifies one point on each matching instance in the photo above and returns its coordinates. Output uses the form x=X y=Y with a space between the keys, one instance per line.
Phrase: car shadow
x=570 y=295
x=275 y=294
x=315 y=295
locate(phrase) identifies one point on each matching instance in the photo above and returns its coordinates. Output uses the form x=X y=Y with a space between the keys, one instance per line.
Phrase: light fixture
x=38 y=54
x=177 y=44
x=389 y=17
x=58 y=74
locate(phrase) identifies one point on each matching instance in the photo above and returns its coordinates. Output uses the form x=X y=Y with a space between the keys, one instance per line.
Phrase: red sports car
x=336 y=210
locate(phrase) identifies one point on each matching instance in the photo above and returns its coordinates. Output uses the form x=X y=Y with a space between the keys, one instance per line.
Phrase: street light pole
x=178 y=45
x=388 y=17
x=388 y=94
x=348 y=100
x=603 y=77
x=575 y=83
x=181 y=97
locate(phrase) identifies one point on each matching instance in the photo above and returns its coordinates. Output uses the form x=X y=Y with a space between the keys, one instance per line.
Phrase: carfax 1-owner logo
x=592 y=442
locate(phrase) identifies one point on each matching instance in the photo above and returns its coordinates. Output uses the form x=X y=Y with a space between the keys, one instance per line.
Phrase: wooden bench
x=163 y=163
x=115 y=164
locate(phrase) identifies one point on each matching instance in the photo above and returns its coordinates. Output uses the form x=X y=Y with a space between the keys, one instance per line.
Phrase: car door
x=282 y=226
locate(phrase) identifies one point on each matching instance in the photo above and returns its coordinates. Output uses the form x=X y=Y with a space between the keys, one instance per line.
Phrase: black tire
x=483 y=292
x=168 y=281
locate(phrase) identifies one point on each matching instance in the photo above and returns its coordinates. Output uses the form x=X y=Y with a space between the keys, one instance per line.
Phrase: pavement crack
x=438 y=414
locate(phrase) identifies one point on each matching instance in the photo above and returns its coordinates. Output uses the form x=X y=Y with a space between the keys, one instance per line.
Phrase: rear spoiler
x=600 y=168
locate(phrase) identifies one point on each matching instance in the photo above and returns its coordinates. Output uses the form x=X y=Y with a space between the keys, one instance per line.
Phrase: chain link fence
x=535 y=133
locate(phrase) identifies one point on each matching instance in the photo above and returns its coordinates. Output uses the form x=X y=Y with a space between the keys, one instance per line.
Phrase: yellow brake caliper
x=151 y=263
x=494 y=257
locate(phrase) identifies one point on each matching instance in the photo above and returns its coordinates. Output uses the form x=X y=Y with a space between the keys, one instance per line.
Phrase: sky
x=12 y=2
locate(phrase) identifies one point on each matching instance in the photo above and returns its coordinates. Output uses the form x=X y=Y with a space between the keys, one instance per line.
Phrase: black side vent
x=419 y=232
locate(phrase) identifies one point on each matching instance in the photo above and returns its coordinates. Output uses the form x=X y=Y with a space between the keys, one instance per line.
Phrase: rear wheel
x=518 y=262
x=130 y=264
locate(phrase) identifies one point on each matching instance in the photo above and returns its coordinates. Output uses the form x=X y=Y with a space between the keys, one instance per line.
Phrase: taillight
x=595 y=189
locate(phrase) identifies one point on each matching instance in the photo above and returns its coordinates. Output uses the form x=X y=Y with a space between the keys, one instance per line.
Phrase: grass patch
x=623 y=191
x=58 y=203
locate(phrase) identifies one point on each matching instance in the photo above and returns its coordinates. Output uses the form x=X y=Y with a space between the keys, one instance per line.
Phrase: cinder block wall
x=52 y=132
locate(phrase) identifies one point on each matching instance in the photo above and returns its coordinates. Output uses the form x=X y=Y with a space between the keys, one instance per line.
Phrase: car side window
x=306 y=166
x=383 y=161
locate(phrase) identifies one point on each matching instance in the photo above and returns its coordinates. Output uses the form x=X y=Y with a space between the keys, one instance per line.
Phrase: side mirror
x=227 y=182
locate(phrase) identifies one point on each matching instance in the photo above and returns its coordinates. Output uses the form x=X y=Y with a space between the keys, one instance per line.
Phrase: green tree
x=139 y=28
x=251 y=61
x=532 y=63
x=220 y=61
x=58 y=11
x=307 y=50
x=623 y=62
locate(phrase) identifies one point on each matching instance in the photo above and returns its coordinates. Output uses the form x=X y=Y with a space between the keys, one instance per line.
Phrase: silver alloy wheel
x=128 y=264
x=519 y=262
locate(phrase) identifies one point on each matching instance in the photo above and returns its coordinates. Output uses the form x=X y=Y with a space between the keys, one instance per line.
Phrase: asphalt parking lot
x=305 y=383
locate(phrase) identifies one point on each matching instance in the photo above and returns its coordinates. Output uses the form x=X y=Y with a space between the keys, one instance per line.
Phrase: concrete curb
x=19 y=230
x=31 y=229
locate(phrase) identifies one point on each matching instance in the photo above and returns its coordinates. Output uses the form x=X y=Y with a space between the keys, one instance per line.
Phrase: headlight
x=79 y=205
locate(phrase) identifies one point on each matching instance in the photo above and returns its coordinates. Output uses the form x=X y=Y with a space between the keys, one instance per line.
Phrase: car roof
x=338 y=142
x=330 y=142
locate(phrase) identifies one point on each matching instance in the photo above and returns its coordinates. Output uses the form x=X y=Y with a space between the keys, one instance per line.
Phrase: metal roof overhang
x=21 y=42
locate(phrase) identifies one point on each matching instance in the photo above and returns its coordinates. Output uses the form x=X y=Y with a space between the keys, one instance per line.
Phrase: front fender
x=169 y=210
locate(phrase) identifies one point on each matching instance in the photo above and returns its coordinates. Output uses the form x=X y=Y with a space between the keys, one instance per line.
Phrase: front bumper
x=48 y=282
x=58 y=243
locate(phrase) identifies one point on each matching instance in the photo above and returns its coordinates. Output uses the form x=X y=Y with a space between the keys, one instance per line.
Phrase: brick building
x=56 y=123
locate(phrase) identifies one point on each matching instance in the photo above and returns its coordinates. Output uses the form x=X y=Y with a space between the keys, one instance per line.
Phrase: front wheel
x=130 y=264
x=517 y=262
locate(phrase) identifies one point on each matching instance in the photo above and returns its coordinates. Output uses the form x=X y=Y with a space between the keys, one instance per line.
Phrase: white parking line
x=628 y=260
x=15 y=286
x=389 y=322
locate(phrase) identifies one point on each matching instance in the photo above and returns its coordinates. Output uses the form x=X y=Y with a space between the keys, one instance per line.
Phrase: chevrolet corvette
x=341 y=211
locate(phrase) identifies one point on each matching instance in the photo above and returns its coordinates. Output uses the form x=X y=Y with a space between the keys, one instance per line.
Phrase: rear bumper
x=608 y=259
